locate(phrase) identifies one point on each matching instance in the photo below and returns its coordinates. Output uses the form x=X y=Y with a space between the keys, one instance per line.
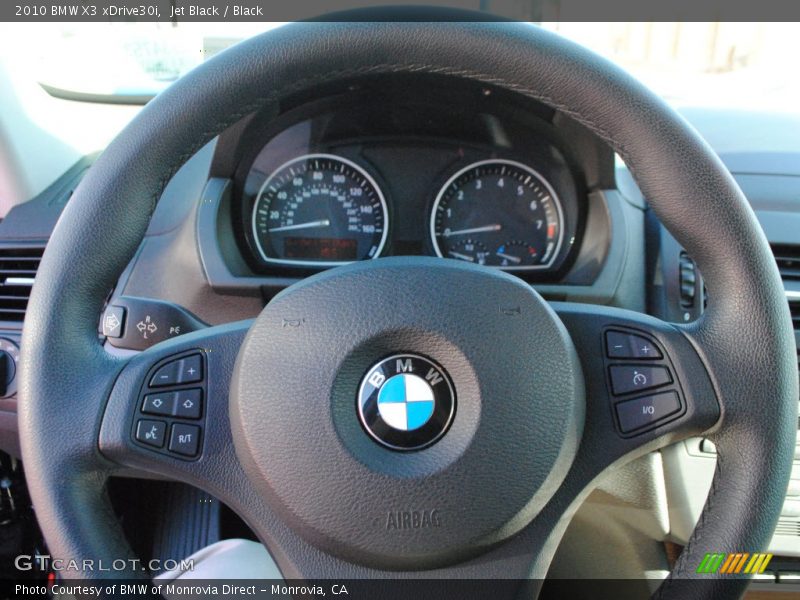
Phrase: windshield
x=715 y=64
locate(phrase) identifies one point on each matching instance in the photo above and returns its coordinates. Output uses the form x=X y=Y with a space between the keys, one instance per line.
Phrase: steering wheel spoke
x=646 y=384
x=167 y=413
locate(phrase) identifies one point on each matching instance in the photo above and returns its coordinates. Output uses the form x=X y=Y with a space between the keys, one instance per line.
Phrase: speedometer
x=319 y=210
x=499 y=213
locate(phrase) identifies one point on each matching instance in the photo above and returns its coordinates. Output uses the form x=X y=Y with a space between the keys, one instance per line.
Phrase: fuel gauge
x=515 y=253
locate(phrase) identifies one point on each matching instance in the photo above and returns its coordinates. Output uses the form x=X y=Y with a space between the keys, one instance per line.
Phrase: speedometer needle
x=308 y=225
x=493 y=227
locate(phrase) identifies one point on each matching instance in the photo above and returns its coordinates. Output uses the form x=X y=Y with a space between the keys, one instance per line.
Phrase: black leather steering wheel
x=282 y=445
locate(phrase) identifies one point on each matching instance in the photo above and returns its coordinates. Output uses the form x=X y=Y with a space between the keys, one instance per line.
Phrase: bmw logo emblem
x=406 y=402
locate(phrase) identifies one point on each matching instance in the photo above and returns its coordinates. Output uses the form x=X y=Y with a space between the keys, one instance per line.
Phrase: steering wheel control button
x=184 y=439
x=636 y=364
x=190 y=369
x=406 y=402
x=114 y=321
x=166 y=375
x=175 y=390
x=189 y=403
x=184 y=370
x=625 y=345
x=159 y=404
x=151 y=433
x=641 y=412
x=626 y=379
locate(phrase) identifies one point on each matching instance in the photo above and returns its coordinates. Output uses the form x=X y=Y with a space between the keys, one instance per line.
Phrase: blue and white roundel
x=406 y=402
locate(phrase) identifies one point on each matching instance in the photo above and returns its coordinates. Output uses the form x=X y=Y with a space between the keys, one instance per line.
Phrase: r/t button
x=185 y=439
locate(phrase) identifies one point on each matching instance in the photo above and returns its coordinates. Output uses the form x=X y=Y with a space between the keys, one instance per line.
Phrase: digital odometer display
x=319 y=209
x=498 y=213
x=321 y=248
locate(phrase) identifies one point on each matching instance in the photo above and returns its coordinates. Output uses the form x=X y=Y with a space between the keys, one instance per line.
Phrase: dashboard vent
x=788 y=527
x=788 y=259
x=798 y=368
x=17 y=271
x=688 y=280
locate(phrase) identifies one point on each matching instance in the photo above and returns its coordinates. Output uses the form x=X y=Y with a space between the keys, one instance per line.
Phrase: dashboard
x=378 y=170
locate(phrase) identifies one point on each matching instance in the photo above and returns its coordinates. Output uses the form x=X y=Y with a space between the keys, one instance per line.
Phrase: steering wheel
x=530 y=432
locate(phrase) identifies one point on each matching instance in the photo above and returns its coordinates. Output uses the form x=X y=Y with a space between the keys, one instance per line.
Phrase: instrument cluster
x=358 y=182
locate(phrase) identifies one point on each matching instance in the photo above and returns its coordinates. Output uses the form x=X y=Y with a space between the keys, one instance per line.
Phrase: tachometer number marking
x=507 y=208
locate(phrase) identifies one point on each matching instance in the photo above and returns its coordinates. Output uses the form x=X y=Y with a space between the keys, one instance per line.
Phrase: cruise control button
x=182 y=370
x=189 y=404
x=641 y=412
x=185 y=439
x=151 y=433
x=159 y=404
x=190 y=369
x=633 y=378
x=166 y=375
x=627 y=345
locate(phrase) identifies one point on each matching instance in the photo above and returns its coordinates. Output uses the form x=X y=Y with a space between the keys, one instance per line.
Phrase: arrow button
x=189 y=403
x=159 y=404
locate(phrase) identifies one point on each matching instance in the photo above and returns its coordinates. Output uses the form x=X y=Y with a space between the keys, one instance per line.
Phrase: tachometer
x=499 y=213
x=319 y=209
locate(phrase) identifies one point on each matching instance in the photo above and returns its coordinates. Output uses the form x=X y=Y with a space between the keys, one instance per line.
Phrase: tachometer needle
x=514 y=259
x=461 y=256
x=493 y=227
x=308 y=225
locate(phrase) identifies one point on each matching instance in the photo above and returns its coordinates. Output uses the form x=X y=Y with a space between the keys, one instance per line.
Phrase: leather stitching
x=697 y=534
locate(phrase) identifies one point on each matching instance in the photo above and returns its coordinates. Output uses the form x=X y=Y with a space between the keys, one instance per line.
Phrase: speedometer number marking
x=319 y=210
